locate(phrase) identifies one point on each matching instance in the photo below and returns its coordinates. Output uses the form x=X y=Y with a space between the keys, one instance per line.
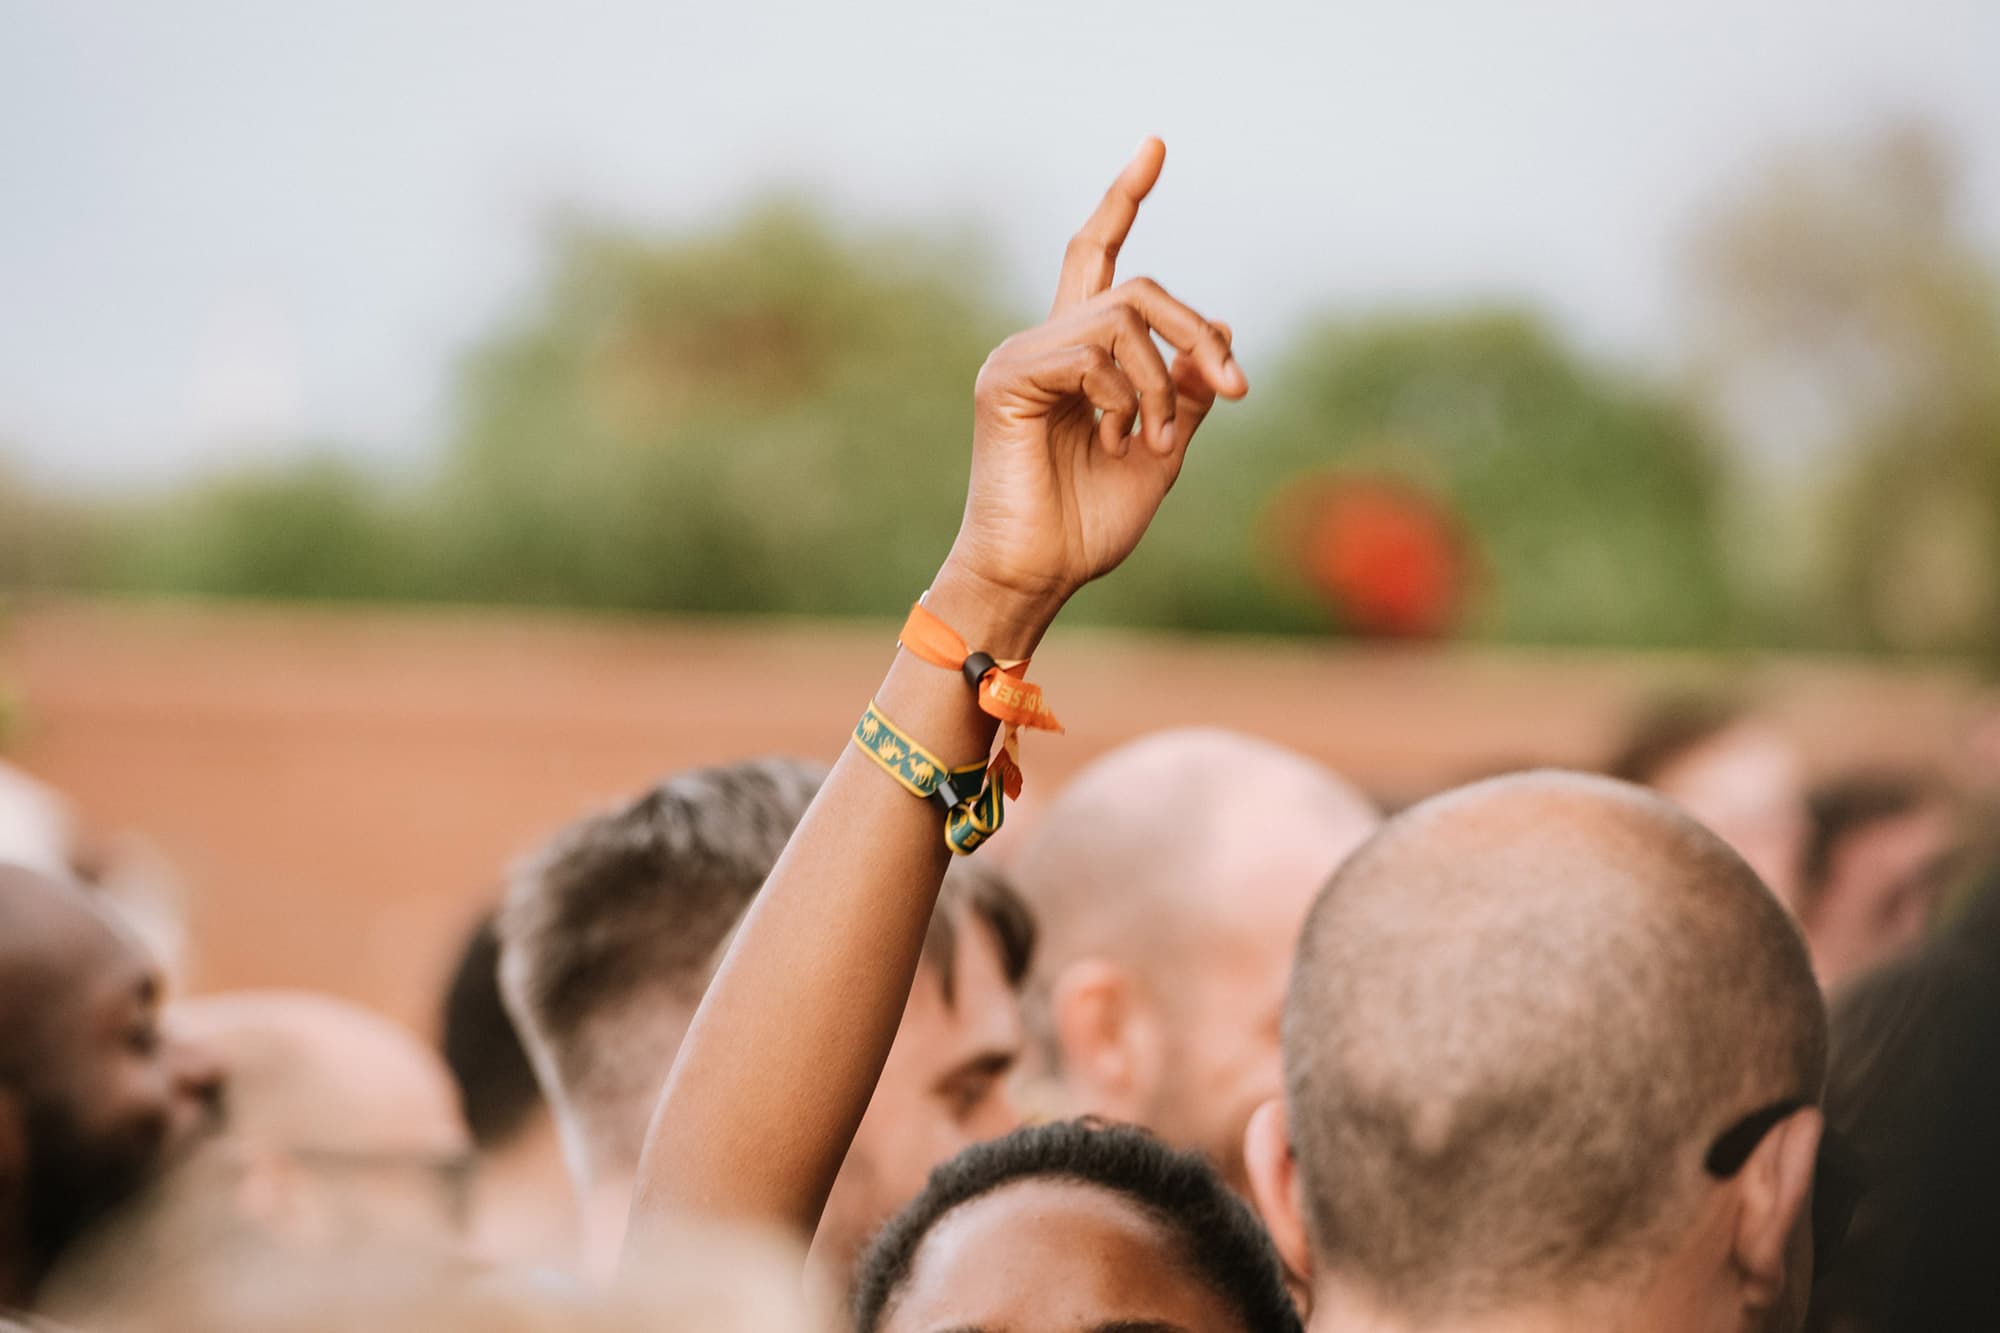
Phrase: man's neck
x=1339 y=1310
x=525 y=1208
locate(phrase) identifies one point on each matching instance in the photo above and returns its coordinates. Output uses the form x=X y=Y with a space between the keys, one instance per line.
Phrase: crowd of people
x=1212 y=1043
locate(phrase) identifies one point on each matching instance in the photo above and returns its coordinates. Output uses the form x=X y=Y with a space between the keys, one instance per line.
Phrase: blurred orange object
x=1385 y=555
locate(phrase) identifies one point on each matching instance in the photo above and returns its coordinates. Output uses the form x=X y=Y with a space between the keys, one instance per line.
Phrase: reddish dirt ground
x=341 y=789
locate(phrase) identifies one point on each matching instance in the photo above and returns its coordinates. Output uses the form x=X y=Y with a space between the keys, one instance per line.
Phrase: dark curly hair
x=1216 y=1235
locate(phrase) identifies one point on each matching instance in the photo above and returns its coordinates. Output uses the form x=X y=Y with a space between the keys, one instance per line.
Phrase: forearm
x=783 y=1055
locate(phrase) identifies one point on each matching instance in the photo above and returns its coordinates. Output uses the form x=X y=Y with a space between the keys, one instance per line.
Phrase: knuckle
x=1144 y=286
x=992 y=375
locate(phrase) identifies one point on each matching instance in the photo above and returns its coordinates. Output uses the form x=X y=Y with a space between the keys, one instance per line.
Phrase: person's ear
x=1773 y=1192
x=1274 y=1186
x=1110 y=1040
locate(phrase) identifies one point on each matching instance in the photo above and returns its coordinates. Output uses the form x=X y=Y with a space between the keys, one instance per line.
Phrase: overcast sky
x=277 y=219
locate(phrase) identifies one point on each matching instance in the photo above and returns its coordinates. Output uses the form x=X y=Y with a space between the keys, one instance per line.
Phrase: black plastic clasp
x=947 y=795
x=976 y=666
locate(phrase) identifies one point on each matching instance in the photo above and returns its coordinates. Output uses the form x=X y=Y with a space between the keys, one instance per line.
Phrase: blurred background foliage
x=770 y=416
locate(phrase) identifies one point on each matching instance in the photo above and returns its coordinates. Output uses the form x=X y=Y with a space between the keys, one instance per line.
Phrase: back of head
x=522 y=1204
x=319 y=1076
x=1211 y=1230
x=609 y=936
x=1518 y=1018
x=1178 y=833
x=1171 y=879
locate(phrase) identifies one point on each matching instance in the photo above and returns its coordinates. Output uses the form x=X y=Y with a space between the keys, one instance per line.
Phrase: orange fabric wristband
x=1001 y=688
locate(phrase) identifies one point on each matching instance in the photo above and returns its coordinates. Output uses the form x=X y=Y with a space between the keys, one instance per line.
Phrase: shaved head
x=1165 y=834
x=1170 y=879
x=311 y=1072
x=340 y=1148
x=1518 y=1017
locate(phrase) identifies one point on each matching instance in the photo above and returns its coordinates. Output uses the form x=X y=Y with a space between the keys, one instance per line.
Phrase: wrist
x=991 y=616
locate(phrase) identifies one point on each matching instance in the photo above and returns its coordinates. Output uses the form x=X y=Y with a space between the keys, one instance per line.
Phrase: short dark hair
x=496 y=1084
x=1214 y=1232
x=628 y=912
x=974 y=891
x=622 y=914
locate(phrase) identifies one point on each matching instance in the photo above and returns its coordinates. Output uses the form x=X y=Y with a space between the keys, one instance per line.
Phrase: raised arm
x=783 y=1055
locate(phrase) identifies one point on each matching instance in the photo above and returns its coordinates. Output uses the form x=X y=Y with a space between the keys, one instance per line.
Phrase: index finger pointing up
x=1092 y=256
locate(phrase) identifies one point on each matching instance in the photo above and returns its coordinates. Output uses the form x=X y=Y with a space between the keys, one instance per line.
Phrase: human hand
x=1062 y=487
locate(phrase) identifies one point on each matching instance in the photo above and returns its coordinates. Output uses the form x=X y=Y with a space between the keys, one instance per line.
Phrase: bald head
x=1518 y=1017
x=1170 y=880
x=310 y=1072
x=341 y=1150
x=1185 y=829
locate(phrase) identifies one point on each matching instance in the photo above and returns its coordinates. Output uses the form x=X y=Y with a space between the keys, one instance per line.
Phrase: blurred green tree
x=1589 y=501
x=316 y=529
x=767 y=417
x=770 y=416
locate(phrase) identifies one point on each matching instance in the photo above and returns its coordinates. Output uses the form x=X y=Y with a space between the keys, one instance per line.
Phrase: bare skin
x=943 y=1089
x=1062 y=488
x=1168 y=924
x=1578 y=946
x=83 y=1057
x=1882 y=890
x=1748 y=784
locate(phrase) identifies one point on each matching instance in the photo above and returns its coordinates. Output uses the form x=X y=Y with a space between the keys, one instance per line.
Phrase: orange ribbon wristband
x=1000 y=687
